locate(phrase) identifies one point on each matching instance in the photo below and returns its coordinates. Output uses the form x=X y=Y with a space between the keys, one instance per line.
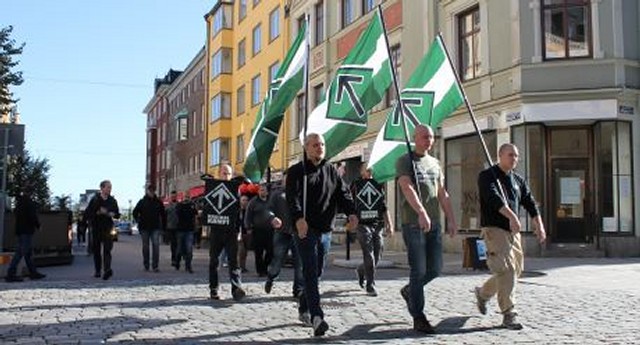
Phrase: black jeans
x=173 y=245
x=370 y=239
x=102 y=245
x=227 y=240
x=263 y=249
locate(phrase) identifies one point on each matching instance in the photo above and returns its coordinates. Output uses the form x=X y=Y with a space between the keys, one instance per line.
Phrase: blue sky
x=89 y=68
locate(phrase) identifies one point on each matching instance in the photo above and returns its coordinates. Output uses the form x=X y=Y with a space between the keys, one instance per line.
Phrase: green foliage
x=62 y=202
x=30 y=175
x=8 y=51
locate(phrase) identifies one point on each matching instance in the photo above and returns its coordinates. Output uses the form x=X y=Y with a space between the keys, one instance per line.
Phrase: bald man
x=420 y=219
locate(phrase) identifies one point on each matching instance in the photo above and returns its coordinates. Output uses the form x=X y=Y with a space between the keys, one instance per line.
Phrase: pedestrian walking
x=227 y=239
x=151 y=217
x=325 y=193
x=100 y=213
x=258 y=219
x=81 y=229
x=283 y=241
x=420 y=217
x=501 y=227
x=187 y=213
x=172 y=226
x=373 y=218
x=26 y=224
x=243 y=235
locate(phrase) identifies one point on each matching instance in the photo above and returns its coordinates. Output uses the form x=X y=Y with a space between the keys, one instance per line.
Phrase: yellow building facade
x=246 y=42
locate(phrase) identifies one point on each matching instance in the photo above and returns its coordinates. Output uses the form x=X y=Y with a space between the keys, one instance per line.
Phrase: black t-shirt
x=187 y=212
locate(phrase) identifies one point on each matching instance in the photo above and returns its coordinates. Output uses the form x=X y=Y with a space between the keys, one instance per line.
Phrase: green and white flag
x=358 y=86
x=282 y=91
x=431 y=94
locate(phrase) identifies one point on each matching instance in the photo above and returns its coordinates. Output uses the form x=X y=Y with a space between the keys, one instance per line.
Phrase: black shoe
x=36 y=276
x=238 y=294
x=146 y=268
x=189 y=270
x=404 y=292
x=214 y=295
x=107 y=274
x=244 y=270
x=320 y=327
x=156 y=270
x=360 y=278
x=371 y=291
x=13 y=279
x=97 y=274
x=422 y=325
x=268 y=285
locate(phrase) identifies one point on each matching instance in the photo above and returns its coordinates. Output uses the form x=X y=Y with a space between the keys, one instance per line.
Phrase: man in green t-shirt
x=420 y=219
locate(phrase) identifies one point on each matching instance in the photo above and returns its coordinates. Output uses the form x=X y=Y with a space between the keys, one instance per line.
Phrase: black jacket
x=326 y=192
x=26 y=214
x=101 y=222
x=279 y=207
x=258 y=215
x=491 y=201
x=150 y=214
x=186 y=211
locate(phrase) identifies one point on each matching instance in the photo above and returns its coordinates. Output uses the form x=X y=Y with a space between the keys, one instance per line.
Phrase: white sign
x=609 y=224
x=570 y=191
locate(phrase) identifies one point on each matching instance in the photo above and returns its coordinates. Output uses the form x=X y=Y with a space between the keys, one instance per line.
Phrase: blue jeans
x=424 y=251
x=326 y=247
x=23 y=249
x=282 y=242
x=312 y=254
x=185 y=248
x=154 y=236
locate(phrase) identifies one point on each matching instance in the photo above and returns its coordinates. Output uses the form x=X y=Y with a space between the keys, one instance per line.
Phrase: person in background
x=172 y=226
x=100 y=213
x=187 y=213
x=151 y=217
x=243 y=236
x=258 y=220
x=81 y=229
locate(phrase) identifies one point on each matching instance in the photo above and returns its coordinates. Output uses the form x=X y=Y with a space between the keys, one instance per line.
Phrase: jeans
x=101 y=247
x=263 y=249
x=312 y=254
x=22 y=250
x=185 y=248
x=154 y=236
x=173 y=245
x=325 y=240
x=370 y=239
x=227 y=240
x=424 y=251
x=282 y=242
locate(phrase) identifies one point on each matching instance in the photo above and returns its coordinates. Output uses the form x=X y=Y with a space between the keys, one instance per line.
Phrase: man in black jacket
x=100 y=212
x=312 y=217
x=151 y=217
x=27 y=223
x=257 y=220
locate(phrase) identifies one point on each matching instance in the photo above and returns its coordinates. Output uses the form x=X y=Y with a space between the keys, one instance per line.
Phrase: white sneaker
x=305 y=318
x=320 y=327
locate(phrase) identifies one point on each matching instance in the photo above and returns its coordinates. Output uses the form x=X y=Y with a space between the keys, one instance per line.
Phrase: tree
x=62 y=202
x=8 y=50
x=30 y=173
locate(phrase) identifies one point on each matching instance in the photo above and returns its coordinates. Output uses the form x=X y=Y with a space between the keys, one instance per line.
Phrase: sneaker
x=214 y=295
x=481 y=303
x=107 y=274
x=305 y=318
x=422 y=325
x=268 y=285
x=238 y=294
x=320 y=327
x=360 y=278
x=371 y=291
x=404 y=292
x=13 y=279
x=509 y=321
x=36 y=276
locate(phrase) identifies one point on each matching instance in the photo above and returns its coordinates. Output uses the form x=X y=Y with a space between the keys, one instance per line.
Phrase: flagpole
x=306 y=121
x=400 y=105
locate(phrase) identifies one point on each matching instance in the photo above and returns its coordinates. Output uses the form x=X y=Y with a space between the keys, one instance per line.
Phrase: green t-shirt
x=430 y=178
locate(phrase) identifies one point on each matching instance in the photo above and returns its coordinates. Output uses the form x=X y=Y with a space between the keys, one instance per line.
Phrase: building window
x=567 y=29
x=255 y=91
x=615 y=176
x=274 y=24
x=465 y=159
x=346 y=9
x=182 y=128
x=257 y=39
x=319 y=22
x=396 y=60
x=221 y=62
x=220 y=106
x=367 y=6
x=469 y=40
x=203 y=114
x=301 y=22
x=222 y=19
x=240 y=97
x=273 y=70
x=240 y=148
x=242 y=9
x=219 y=151
x=242 y=52
x=194 y=123
x=300 y=112
x=318 y=94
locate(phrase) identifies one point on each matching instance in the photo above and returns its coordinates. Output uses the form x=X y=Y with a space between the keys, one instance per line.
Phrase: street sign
x=369 y=199
x=222 y=204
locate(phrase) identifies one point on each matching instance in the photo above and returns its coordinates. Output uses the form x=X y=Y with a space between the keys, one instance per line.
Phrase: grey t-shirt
x=430 y=178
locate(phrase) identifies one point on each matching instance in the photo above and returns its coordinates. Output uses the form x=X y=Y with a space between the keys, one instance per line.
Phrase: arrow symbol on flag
x=345 y=84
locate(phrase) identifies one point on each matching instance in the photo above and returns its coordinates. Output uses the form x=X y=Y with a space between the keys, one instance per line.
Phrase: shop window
x=530 y=141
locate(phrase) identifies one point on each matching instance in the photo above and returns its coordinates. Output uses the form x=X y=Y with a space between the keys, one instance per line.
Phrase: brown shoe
x=509 y=321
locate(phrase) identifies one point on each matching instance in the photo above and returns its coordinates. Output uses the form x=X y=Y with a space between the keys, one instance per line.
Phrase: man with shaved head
x=501 y=231
x=226 y=239
x=420 y=218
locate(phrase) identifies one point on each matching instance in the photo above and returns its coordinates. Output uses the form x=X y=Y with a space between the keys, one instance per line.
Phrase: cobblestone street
x=561 y=301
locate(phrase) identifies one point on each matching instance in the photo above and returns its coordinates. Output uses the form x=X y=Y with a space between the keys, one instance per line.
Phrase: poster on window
x=570 y=191
x=609 y=224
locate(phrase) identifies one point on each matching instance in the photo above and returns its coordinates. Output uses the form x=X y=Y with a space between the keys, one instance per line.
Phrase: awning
x=196 y=191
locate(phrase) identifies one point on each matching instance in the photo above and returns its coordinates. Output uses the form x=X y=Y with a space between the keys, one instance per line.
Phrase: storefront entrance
x=571 y=201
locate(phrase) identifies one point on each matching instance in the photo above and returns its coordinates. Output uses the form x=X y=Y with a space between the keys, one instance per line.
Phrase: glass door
x=571 y=204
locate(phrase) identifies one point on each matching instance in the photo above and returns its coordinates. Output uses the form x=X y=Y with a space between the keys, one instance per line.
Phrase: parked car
x=125 y=228
x=114 y=234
